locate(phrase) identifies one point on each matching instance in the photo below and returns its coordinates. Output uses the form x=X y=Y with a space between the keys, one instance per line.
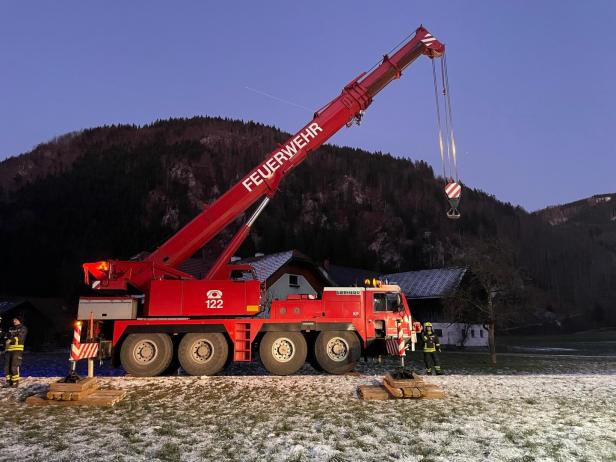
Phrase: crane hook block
x=453 y=190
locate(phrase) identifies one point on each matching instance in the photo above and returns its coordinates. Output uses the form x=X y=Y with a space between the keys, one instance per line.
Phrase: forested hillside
x=116 y=191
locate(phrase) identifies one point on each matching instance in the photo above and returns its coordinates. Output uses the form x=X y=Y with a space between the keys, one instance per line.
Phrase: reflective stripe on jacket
x=16 y=338
x=431 y=343
x=15 y=348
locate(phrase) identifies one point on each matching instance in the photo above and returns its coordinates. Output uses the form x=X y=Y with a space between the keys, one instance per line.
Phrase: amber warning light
x=97 y=269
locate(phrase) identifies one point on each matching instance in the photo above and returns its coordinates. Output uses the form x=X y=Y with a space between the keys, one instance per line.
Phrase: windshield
x=389 y=301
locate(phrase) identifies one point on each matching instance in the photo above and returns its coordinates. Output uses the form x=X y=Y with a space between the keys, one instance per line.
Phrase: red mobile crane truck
x=162 y=312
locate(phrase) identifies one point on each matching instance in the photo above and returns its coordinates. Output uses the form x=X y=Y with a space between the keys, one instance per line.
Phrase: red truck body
x=340 y=308
x=171 y=314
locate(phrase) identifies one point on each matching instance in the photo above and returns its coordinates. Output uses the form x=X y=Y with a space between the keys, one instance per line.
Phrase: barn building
x=49 y=320
x=427 y=292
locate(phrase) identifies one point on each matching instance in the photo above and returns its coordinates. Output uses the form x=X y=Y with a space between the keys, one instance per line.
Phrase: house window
x=473 y=333
x=438 y=332
x=293 y=280
x=481 y=333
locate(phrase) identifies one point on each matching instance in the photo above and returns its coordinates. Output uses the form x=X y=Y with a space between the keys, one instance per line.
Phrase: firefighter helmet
x=427 y=324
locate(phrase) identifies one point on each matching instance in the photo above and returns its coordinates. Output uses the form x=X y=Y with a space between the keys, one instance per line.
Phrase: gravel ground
x=563 y=410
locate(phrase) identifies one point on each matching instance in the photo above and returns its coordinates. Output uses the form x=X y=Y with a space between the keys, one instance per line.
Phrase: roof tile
x=432 y=283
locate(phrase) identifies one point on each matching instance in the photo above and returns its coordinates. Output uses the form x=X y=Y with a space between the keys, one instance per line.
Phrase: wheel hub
x=202 y=351
x=145 y=352
x=283 y=350
x=337 y=349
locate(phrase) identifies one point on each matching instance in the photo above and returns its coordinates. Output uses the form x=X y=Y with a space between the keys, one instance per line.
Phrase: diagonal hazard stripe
x=453 y=190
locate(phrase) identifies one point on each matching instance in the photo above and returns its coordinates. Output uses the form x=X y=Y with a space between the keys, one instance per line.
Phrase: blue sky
x=532 y=82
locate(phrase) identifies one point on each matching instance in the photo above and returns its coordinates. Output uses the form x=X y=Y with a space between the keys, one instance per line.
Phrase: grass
x=169 y=452
x=527 y=408
x=593 y=343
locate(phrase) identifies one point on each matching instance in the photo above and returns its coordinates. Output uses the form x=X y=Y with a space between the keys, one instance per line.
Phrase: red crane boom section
x=264 y=180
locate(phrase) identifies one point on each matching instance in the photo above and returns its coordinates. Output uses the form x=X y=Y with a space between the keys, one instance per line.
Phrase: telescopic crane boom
x=262 y=182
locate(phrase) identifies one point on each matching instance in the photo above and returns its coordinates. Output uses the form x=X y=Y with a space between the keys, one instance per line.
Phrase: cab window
x=380 y=303
x=387 y=301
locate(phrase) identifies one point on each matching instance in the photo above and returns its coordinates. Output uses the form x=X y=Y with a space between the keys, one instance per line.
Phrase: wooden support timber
x=84 y=392
x=373 y=392
x=400 y=385
x=97 y=398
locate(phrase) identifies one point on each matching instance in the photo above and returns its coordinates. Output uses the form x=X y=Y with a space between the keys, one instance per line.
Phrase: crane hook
x=453 y=191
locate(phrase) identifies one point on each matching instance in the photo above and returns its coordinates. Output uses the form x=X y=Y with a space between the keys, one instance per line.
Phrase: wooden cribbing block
x=71 y=395
x=373 y=392
x=393 y=391
x=411 y=392
x=81 y=385
x=404 y=383
x=433 y=394
x=97 y=398
x=409 y=380
x=428 y=386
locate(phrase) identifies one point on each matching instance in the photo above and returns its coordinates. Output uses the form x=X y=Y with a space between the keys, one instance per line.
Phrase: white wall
x=281 y=288
x=452 y=334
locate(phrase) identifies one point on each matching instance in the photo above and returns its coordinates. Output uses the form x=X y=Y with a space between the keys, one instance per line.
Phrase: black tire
x=337 y=352
x=146 y=355
x=283 y=353
x=203 y=353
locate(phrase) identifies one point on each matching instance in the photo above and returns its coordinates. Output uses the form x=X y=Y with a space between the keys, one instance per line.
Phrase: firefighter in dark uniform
x=14 y=350
x=431 y=345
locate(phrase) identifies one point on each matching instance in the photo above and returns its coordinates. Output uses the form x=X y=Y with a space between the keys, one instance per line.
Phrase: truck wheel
x=146 y=355
x=337 y=352
x=203 y=354
x=283 y=353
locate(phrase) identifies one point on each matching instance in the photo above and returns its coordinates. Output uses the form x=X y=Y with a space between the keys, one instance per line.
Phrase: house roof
x=345 y=276
x=432 y=283
x=8 y=305
x=266 y=265
x=53 y=310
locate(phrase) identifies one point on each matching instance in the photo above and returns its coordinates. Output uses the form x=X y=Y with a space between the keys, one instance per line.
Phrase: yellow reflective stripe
x=429 y=350
x=15 y=348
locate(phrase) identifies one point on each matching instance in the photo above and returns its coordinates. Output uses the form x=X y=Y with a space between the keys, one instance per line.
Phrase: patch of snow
x=542 y=349
x=246 y=414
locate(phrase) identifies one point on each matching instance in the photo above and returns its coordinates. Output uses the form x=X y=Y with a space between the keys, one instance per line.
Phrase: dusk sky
x=533 y=82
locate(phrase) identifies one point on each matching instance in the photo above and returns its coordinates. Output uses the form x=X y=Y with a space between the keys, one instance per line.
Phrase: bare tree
x=494 y=290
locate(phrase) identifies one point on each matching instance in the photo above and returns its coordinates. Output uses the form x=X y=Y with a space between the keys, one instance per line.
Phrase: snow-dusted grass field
x=563 y=409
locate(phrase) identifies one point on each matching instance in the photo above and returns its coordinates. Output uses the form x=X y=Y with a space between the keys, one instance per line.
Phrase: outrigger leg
x=72 y=376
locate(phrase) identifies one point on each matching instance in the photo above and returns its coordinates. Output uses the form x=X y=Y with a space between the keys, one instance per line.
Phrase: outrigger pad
x=72 y=377
x=403 y=374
